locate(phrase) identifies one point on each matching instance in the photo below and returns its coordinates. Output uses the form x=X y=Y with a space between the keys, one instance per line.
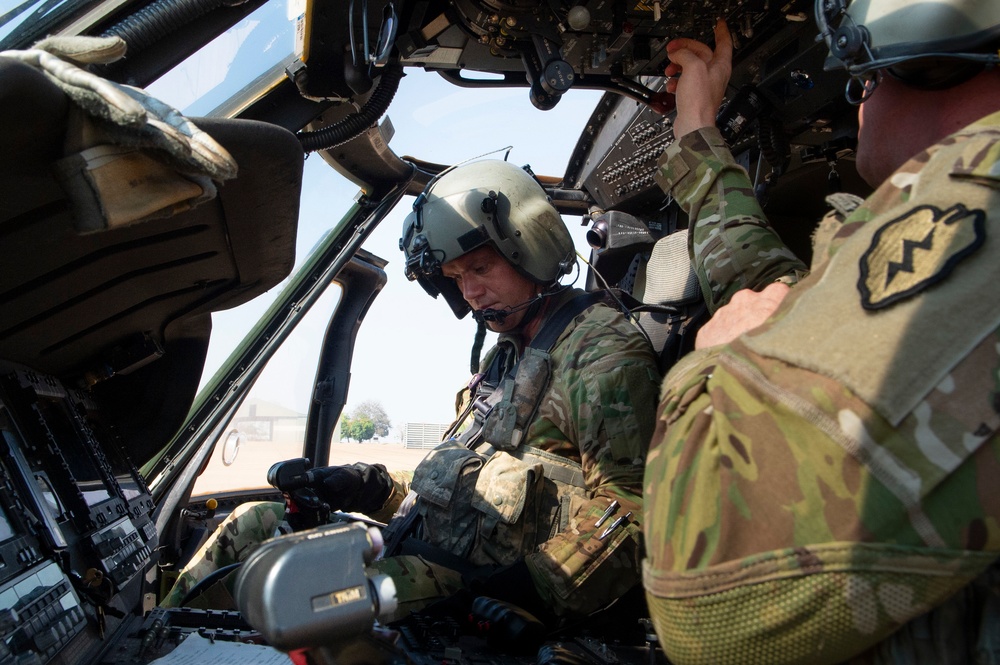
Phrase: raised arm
x=732 y=245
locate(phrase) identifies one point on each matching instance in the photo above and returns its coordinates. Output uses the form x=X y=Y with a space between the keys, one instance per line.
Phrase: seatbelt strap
x=522 y=389
x=545 y=339
x=553 y=327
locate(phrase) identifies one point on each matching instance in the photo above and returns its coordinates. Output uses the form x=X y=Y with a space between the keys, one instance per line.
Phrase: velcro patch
x=916 y=250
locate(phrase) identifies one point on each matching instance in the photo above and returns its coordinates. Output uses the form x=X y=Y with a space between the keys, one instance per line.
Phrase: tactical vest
x=482 y=497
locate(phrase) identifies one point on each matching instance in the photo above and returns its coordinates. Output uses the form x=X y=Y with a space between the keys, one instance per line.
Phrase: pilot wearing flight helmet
x=534 y=498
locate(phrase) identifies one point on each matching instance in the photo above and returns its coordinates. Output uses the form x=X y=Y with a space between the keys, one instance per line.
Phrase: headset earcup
x=849 y=42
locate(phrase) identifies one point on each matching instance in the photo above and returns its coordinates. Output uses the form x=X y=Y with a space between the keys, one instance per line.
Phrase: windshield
x=411 y=354
x=22 y=23
x=250 y=55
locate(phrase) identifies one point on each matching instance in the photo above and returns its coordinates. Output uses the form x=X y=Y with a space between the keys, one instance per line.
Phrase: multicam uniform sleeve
x=732 y=243
x=599 y=410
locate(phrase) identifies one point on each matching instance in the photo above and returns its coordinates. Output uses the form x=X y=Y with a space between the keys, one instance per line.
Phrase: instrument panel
x=75 y=521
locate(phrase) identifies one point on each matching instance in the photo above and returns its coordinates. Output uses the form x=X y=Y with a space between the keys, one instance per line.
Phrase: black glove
x=358 y=487
x=507 y=627
x=511 y=584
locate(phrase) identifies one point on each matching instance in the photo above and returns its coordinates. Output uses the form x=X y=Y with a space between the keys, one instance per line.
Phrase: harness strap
x=488 y=391
x=560 y=470
x=553 y=327
x=510 y=421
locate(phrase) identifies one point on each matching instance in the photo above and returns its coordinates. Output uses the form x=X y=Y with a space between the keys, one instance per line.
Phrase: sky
x=445 y=124
x=412 y=354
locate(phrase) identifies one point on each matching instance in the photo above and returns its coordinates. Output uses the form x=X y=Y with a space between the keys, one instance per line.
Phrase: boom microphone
x=500 y=315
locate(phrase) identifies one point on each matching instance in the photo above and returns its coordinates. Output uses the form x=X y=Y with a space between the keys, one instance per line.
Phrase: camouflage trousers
x=418 y=582
x=236 y=537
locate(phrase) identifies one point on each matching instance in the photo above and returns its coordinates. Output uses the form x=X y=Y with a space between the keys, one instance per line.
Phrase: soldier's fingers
x=378 y=542
x=700 y=49
x=723 y=47
x=685 y=57
x=723 y=41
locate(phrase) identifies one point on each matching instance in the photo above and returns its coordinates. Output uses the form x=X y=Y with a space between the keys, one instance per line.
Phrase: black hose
x=477 y=346
x=773 y=143
x=207 y=581
x=157 y=20
x=353 y=125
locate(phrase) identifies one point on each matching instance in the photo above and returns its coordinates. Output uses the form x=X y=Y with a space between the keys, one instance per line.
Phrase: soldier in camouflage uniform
x=822 y=488
x=535 y=499
x=518 y=493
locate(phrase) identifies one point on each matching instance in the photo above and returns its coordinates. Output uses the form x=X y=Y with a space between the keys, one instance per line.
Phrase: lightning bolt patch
x=916 y=250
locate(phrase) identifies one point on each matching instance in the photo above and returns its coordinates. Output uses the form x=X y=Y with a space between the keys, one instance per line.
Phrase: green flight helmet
x=930 y=44
x=487 y=202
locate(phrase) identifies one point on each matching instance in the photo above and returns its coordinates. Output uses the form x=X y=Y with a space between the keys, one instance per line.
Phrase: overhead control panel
x=551 y=47
x=782 y=110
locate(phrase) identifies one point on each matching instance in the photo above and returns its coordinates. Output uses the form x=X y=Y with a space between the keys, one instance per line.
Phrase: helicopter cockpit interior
x=107 y=420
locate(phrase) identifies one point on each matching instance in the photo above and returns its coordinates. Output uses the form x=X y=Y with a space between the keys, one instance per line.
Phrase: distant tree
x=345 y=427
x=359 y=428
x=374 y=411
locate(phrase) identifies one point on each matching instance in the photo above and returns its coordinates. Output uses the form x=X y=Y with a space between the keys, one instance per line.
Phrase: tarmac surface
x=249 y=469
x=393 y=455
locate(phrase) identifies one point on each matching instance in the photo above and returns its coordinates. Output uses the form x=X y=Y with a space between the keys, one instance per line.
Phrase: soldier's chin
x=512 y=322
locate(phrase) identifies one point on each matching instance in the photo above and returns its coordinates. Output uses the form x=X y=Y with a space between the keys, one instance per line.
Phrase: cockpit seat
x=677 y=308
x=651 y=267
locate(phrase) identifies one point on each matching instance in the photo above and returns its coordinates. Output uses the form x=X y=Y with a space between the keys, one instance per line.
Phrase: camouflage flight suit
x=596 y=415
x=830 y=477
x=597 y=411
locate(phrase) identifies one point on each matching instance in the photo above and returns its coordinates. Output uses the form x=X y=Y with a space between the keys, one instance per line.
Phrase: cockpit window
x=241 y=63
x=246 y=59
x=22 y=23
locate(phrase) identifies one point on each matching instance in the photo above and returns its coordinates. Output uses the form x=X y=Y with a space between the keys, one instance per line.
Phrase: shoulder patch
x=916 y=250
x=844 y=203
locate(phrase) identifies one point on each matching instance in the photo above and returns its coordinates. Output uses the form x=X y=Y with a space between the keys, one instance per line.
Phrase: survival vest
x=482 y=497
